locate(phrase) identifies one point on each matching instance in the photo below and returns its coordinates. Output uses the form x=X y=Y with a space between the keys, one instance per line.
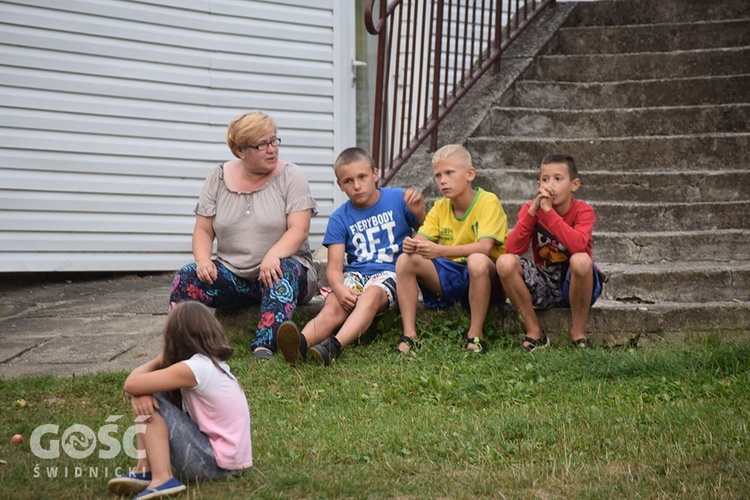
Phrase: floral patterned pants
x=277 y=303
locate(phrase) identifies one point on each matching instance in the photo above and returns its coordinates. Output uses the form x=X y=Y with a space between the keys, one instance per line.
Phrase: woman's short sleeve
x=206 y=205
x=299 y=197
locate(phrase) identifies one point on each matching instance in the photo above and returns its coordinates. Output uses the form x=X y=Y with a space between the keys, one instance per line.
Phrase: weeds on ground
x=439 y=422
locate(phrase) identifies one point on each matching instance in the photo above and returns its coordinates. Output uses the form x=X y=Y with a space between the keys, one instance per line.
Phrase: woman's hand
x=270 y=270
x=206 y=272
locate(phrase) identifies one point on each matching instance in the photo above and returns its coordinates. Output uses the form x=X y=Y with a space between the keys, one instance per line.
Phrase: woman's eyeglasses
x=263 y=146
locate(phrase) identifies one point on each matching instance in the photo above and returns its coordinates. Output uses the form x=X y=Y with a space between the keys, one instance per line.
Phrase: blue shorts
x=454 y=280
x=547 y=287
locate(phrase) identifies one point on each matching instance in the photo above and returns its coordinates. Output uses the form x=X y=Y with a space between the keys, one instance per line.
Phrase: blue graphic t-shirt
x=373 y=235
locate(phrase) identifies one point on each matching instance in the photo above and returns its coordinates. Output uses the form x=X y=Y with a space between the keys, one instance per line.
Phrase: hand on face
x=556 y=188
x=545 y=194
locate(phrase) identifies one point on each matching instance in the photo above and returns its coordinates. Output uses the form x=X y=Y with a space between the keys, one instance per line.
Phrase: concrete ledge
x=611 y=323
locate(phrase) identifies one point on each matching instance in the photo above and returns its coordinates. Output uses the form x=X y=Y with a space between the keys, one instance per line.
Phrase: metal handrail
x=430 y=53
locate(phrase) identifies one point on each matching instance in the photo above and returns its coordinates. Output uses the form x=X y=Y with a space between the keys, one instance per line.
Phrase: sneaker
x=326 y=351
x=262 y=353
x=534 y=344
x=127 y=484
x=170 y=487
x=291 y=342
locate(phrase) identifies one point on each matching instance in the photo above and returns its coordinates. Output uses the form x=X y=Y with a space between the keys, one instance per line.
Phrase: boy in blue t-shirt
x=368 y=230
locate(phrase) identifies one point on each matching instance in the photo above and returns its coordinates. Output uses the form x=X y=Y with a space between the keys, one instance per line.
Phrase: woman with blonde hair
x=258 y=209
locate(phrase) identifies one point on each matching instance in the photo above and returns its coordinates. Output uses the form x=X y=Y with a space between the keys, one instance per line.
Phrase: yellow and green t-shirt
x=485 y=218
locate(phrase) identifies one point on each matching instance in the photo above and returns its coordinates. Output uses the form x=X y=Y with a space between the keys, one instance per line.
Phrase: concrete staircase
x=652 y=99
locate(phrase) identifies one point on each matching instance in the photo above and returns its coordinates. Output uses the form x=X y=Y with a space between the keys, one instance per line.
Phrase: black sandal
x=412 y=343
x=478 y=342
x=534 y=344
x=583 y=343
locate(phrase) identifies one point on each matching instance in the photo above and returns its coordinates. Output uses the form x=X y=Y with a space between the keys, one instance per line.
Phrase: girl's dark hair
x=192 y=329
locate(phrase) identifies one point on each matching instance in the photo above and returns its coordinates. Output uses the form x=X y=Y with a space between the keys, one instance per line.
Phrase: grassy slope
x=443 y=423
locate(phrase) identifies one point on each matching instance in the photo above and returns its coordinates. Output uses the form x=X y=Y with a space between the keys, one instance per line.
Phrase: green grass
x=661 y=423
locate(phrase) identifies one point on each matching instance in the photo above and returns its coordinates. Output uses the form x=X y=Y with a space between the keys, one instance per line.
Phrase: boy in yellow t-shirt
x=452 y=258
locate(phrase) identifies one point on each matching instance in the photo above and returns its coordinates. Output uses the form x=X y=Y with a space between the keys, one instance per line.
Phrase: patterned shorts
x=360 y=282
x=549 y=286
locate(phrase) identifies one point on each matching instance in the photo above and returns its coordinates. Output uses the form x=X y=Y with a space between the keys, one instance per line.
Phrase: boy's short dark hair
x=560 y=158
x=350 y=155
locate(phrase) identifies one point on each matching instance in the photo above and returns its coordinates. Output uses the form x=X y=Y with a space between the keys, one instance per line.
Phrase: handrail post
x=436 y=75
x=377 y=132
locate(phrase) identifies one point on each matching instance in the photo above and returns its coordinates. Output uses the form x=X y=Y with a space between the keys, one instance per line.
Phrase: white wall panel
x=112 y=112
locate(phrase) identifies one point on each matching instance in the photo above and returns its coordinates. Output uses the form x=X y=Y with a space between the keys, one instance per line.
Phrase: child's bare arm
x=335 y=276
x=430 y=250
x=172 y=377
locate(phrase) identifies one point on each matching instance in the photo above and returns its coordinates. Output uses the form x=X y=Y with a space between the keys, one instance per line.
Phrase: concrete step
x=651 y=37
x=642 y=247
x=680 y=120
x=631 y=94
x=610 y=323
x=618 y=324
x=677 y=282
x=640 y=66
x=624 y=12
x=628 y=217
x=666 y=187
x=688 y=152
x=631 y=217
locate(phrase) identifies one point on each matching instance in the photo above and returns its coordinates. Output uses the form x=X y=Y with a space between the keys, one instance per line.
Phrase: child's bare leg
x=511 y=276
x=581 y=288
x=409 y=269
x=373 y=300
x=156 y=444
x=481 y=269
x=328 y=319
x=142 y=465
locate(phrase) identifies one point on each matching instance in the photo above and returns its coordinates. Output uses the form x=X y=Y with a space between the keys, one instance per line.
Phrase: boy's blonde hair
x=453 y=150
x=247 y=129
x=351 y=155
